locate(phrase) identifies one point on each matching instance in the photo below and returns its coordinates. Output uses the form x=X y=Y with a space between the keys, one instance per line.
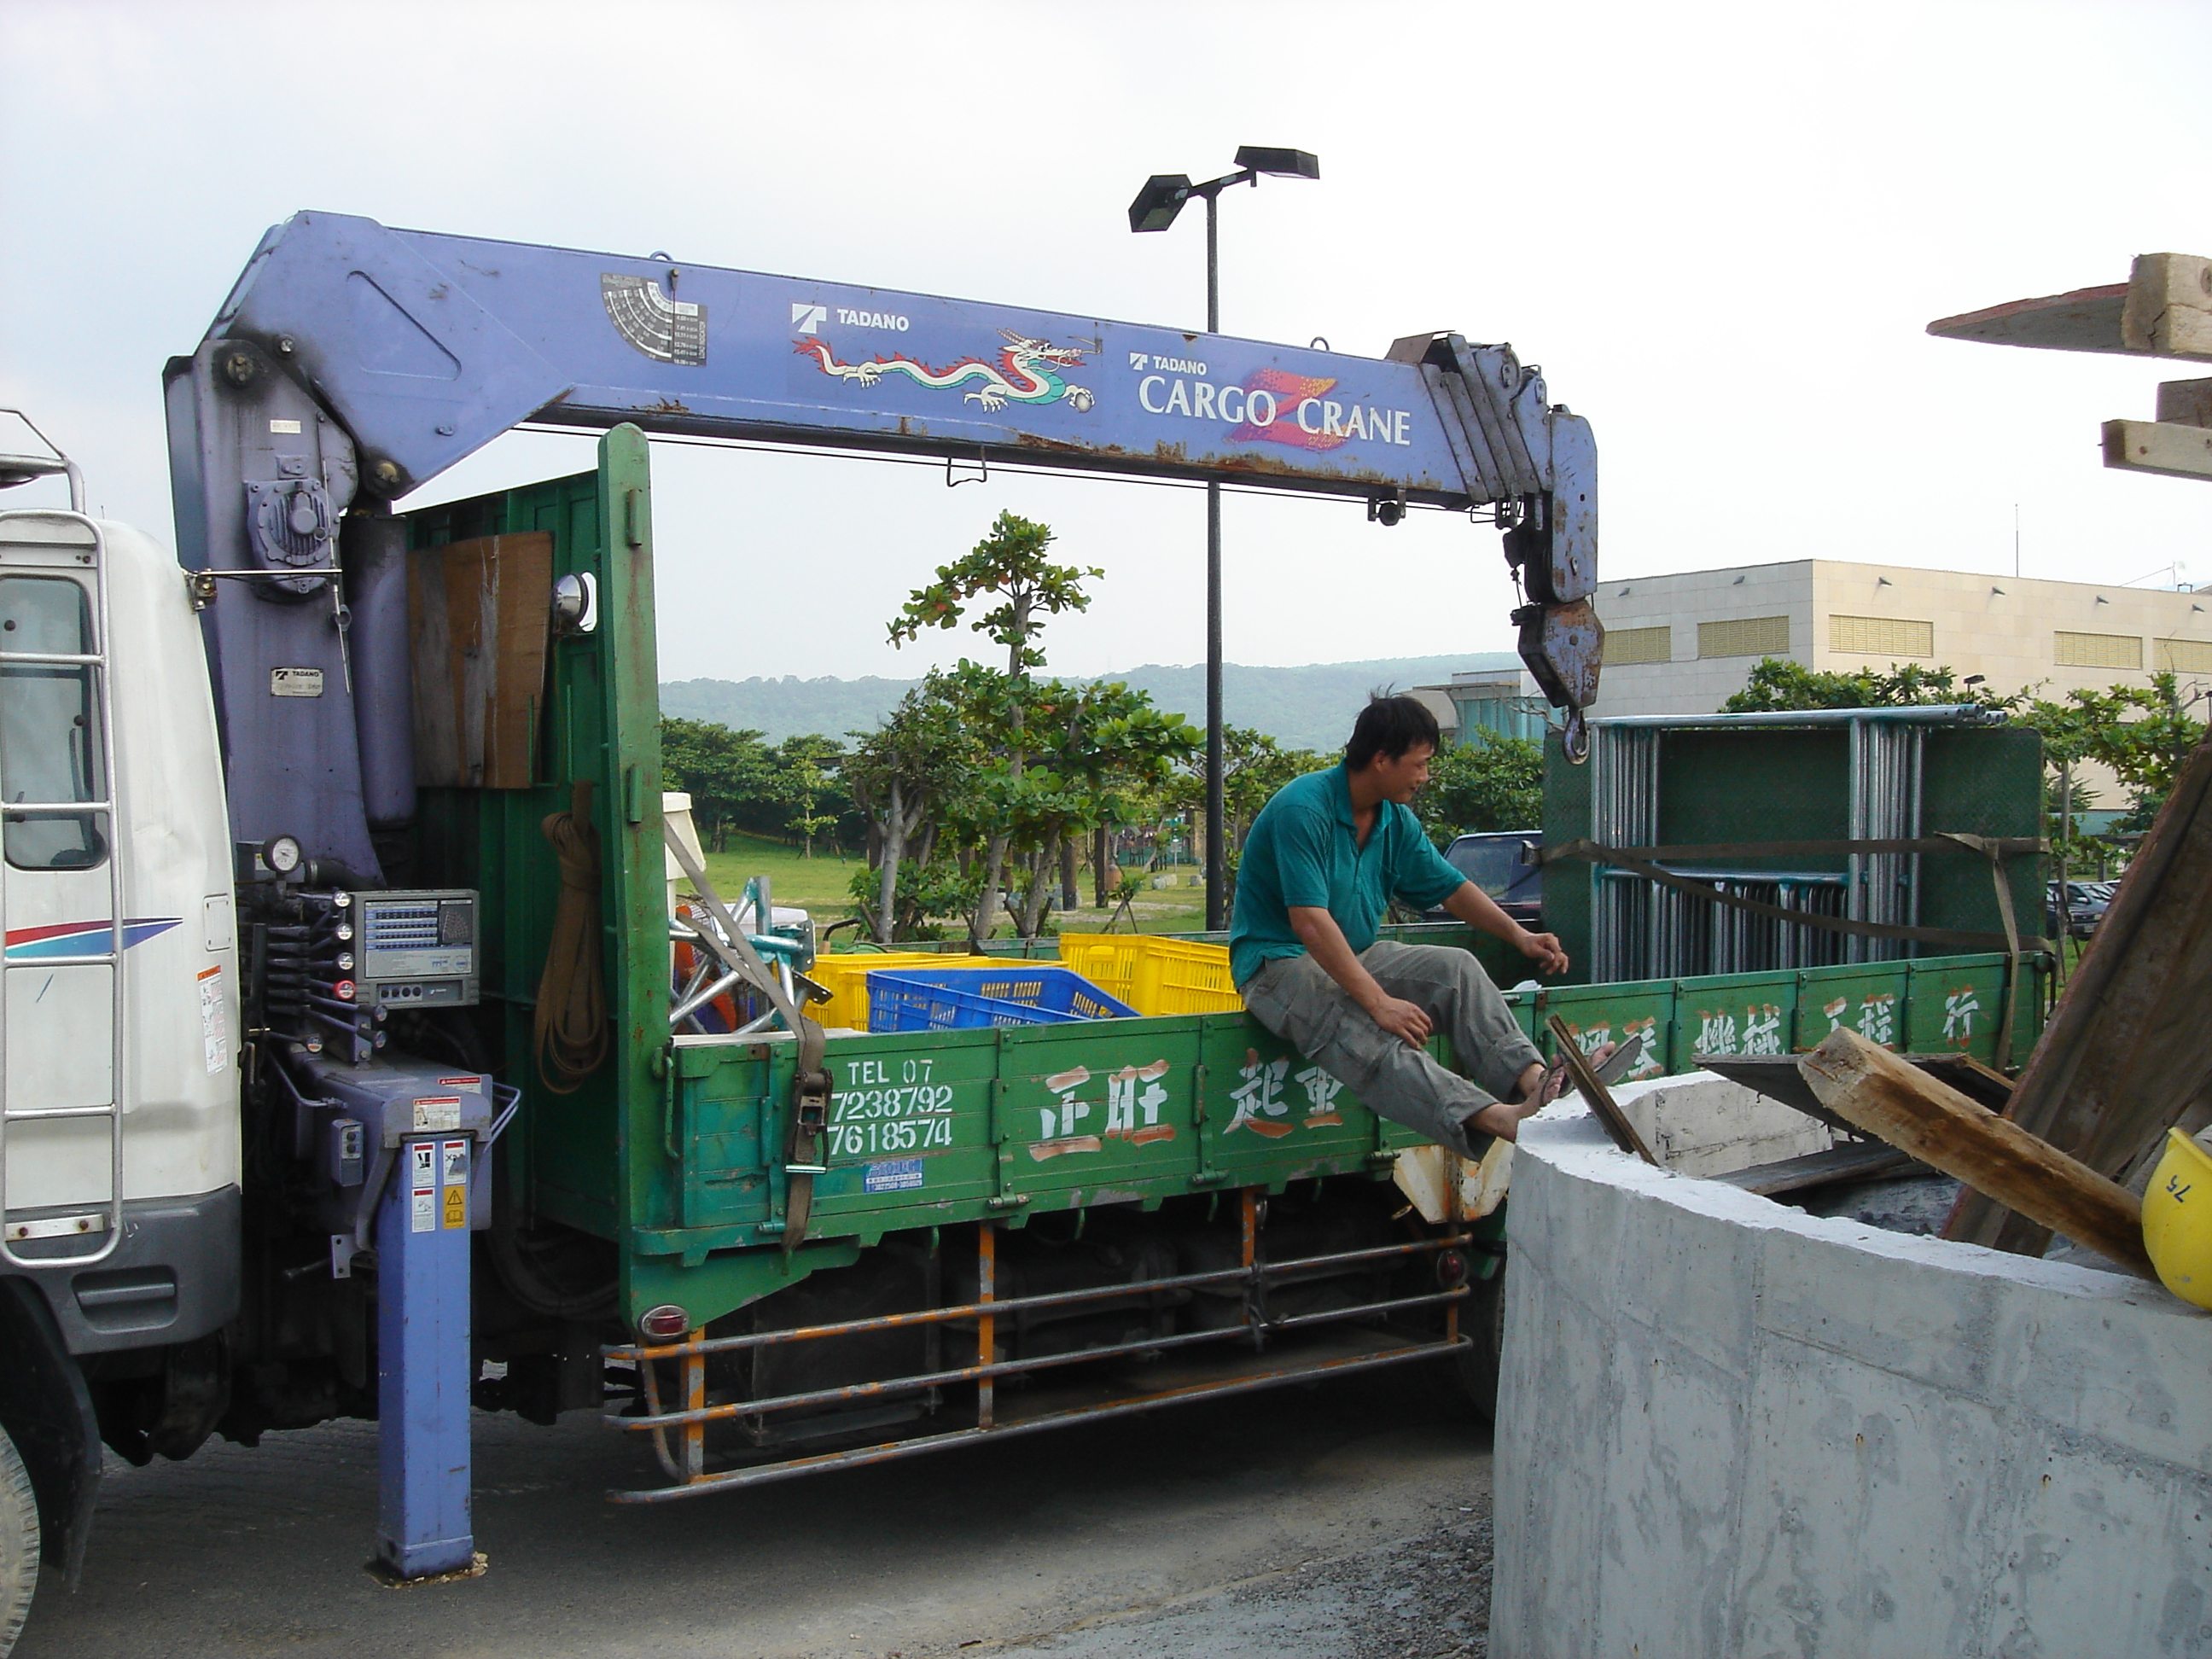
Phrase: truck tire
x=19 y=1544
x=1482 y=1321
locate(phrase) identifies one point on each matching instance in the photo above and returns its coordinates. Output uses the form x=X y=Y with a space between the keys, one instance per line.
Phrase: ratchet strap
x=809 y=1088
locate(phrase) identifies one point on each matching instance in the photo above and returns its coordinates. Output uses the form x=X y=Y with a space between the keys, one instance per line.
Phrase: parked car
x=2085 y=903
x=1503 y=863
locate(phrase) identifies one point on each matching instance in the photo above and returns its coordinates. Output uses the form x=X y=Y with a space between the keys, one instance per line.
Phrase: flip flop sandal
x=1626 y=1057
x=1555 y=1082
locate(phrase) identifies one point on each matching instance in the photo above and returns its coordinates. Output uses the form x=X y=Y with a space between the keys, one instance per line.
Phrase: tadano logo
x=808 y=319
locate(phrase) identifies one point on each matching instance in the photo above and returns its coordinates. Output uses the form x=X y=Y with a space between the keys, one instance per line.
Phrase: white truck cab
x=120 y=1132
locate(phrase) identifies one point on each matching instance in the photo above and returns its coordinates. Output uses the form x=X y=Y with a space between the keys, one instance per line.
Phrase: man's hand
x=1543 y=949
x=1324 y=940
x=1406 y=1020
x=1478 y=909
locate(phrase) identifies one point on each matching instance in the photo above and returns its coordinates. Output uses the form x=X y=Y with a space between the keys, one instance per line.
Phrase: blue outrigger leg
x=422 y=1360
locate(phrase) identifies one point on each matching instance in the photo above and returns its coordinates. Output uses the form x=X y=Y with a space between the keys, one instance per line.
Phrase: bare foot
x=1539 y=1086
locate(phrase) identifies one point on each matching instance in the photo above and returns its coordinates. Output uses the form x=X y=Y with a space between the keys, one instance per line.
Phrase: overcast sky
x=1721 y=230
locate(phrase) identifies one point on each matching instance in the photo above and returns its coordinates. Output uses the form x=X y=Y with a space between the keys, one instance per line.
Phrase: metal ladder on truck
x=41 y=951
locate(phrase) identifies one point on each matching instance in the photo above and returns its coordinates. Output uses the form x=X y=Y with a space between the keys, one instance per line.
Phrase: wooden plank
x=2123 y=1058
x=480 y=622
x=430 y=645
x=1856 y=1160
x=1775 y=1076
x=2163 y=310
x=2172 y=451
x=524 y=589
x=1615 y=1122
x=2086 y=320
x=1878 y=1091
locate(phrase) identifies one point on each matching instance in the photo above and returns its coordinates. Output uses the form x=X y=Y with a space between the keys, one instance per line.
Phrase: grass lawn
x=816 y=884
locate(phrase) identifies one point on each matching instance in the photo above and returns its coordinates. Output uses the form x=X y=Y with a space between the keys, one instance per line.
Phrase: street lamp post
x=1155 y=209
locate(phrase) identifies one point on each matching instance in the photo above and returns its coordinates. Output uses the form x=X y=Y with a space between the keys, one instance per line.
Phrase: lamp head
x=1278 y=163
x=1159 y=201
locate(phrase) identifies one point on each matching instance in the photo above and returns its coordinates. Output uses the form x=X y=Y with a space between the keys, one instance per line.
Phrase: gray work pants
x=1295 y=999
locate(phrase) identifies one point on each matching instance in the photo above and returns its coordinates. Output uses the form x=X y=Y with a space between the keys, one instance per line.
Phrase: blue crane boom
x=380 y=357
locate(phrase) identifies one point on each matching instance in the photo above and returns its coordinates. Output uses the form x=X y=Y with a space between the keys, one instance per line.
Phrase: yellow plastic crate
x=846 y=979
x=1154 y=975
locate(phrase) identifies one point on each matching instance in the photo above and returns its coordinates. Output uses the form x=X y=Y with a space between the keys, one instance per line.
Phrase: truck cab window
x=50 y=738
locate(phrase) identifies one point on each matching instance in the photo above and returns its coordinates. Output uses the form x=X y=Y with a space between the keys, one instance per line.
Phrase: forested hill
x=1307 y=708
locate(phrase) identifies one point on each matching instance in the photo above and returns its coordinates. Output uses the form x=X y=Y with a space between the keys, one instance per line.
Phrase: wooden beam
x=1884 y=1096
x=2163 y=310
x=2185 y=402
x=2123 y=1058
x=2177 y=452
x=2168 y=313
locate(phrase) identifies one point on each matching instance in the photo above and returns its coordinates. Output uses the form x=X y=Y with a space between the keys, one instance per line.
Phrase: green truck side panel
x=1008 y=1122
x=1981 y=781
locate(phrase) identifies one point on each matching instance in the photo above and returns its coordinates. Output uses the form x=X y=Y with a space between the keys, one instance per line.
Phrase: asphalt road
x=1343 y=1521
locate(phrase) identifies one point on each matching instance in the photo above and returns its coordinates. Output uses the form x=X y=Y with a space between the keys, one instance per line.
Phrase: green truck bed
x=929 y=1130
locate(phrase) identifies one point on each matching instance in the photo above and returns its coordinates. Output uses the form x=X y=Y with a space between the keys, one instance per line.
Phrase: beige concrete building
x=1683 y=644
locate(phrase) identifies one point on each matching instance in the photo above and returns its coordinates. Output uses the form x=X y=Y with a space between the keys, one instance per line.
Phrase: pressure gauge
x=281 y=854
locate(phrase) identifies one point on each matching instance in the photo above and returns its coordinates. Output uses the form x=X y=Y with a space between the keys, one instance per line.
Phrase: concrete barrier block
x=1727 y=1427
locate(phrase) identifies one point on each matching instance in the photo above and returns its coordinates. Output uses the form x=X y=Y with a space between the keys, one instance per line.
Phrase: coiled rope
x=570 y=1026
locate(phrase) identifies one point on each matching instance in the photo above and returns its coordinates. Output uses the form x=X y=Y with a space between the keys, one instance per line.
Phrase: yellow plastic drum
x=2177 y=1215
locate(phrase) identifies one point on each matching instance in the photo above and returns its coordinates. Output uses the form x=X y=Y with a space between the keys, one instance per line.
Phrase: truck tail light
x=665 y=1323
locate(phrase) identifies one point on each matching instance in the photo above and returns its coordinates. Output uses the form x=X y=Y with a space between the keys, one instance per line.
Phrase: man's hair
x=1390 y=725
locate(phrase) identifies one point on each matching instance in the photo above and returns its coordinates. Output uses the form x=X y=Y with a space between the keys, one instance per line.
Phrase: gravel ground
x=1426 y=1597
x=1341 y=1521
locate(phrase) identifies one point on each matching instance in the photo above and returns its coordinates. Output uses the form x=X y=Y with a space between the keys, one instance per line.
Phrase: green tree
x=807 y=787
x=901 y=773
x=1094 y=748
x=1489 y=783
x=1254 y=766
x=1009 y=562
x=729 y=775
x=2144 y=735
x=1777 y=683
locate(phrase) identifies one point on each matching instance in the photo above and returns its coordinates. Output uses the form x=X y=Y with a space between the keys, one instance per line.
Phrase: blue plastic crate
x=974 y=998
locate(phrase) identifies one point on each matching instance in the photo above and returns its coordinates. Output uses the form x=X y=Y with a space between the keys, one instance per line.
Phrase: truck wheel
x=19 y=1544
x=1482 y=1321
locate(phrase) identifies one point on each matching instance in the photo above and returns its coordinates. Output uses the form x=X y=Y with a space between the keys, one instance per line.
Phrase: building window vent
x=2183 y=656
x=1745 y=637
x=2096 y=650
x=1627 y=644
x=1882 y=636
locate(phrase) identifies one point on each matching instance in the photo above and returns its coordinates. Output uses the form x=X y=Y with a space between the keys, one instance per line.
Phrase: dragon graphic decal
x=1027 y=372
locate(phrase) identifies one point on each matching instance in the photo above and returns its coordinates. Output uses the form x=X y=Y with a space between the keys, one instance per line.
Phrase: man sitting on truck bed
x=1321 y=862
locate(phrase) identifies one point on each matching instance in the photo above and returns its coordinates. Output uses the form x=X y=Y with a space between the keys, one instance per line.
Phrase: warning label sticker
x=215 y=1027
x=453 y=1165
x=896 y=1175
x=424 y=1216
x=457 y=1206
x=438 y=1112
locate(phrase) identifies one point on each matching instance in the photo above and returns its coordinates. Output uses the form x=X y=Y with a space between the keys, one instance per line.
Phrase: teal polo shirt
x=1305 y=850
